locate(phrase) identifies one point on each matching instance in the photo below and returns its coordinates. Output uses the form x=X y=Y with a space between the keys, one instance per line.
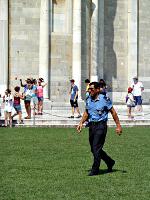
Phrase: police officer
x=97 y=108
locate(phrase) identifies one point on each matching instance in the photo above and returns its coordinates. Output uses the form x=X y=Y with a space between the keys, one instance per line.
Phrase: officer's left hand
x=119 y=130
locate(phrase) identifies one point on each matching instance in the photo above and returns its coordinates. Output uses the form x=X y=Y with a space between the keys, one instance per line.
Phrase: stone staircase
x=56 y=115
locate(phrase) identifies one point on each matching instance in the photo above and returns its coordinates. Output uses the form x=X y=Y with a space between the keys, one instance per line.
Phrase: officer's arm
x=116 y=119
x=84 y=118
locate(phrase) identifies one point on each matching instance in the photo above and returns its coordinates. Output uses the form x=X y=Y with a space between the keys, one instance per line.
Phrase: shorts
x=74 y=103
x=35 y=100
x=8 y=109
x=40 y=98
x=138 y=100
x=17 y=108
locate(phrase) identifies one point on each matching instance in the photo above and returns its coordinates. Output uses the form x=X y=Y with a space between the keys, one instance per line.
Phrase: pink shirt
x=39 y=91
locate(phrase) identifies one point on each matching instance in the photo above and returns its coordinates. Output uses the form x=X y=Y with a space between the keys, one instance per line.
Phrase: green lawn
x=44 y=164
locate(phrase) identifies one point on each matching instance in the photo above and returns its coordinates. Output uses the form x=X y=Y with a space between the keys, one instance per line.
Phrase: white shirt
x=137 y=88
x=130 y=101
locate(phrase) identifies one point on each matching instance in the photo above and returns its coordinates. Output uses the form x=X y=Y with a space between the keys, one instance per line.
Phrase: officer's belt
x=97 y=122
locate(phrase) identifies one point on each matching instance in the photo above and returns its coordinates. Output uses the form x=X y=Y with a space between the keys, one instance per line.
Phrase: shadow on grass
x=105 y=171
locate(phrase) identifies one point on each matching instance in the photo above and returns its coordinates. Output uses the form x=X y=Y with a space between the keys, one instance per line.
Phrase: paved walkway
x=60 y=118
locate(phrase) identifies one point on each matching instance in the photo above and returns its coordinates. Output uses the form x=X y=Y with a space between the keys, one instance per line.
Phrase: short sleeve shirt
x=34 y=89
x=137 y=88
x=98 y=109
x=74 y=89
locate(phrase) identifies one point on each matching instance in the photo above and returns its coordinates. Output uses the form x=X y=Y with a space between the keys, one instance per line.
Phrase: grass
x=45 y=164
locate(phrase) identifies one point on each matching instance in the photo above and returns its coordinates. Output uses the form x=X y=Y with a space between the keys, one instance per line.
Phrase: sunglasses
x=92 y=89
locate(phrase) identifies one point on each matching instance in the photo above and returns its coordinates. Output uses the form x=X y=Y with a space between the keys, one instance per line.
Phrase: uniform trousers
x=97 y=135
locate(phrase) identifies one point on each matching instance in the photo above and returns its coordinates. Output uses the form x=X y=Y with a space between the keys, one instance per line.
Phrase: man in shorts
x=137 y=87
x=74 y=99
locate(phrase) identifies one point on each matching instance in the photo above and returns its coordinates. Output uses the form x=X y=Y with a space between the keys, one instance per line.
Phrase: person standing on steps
x=74 y=99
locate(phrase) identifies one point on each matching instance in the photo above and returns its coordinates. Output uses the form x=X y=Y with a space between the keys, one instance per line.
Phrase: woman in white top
x=8 y=100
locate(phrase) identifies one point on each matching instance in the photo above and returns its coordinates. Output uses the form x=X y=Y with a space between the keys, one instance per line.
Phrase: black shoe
x=71 y=117
x=93 y=173
x=79 y=116
x=110 y=166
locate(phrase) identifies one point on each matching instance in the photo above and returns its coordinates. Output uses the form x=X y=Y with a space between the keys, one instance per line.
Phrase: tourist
x=40 y=87
x=138 y=88
x=74 y=99
x=35 y=97
x=17 y=104
x=27 y=97
x=87 y=82
x=8 y=107
x=130 y=103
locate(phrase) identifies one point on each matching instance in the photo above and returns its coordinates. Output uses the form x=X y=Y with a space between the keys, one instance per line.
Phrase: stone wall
x=115 y=45
x=60 y=66
x=144 y=46
x=24 y=21
x=61 y=50
x=85 y=43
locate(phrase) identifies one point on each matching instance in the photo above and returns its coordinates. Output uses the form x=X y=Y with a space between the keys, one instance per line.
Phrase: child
x=130 y=102
x=17 y=105
x=8 y=100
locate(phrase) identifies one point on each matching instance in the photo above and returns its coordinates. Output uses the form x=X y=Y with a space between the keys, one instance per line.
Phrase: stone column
x=3 y=45
x=44 y=44
x=76 y=48
x=68 y=16
x=94 y=41
x=101 y=39
x=132 y=39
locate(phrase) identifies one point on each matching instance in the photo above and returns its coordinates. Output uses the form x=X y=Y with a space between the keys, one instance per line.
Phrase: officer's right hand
x=79 y=127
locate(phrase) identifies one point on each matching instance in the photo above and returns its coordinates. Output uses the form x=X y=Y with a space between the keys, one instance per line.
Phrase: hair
x=17 y=88
x=130 y=90
x=29 y=81
x=96 y=84
x=34 y=81
x=87 y=81
x=41 y=79
x=101 y=81
x=8 y=91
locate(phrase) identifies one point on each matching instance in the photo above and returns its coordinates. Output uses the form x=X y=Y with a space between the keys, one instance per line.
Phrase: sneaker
x=21 y=122
x=71 y=117
x=79 y=116
x=27 y=117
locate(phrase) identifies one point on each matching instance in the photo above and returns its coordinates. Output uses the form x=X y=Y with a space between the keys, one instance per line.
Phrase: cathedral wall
x=116 y=45
x=144 y=46
x=24 y=24
x=60 y=50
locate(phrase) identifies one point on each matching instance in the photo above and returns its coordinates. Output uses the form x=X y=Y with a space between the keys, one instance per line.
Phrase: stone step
x=55 y=121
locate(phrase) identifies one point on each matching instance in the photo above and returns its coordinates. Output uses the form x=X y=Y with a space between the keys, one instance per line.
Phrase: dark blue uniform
x=98 y=115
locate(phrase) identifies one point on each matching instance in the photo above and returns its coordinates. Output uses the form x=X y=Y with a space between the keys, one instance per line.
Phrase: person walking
x=138 y=88
x=74 y=99
x=97 y=108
